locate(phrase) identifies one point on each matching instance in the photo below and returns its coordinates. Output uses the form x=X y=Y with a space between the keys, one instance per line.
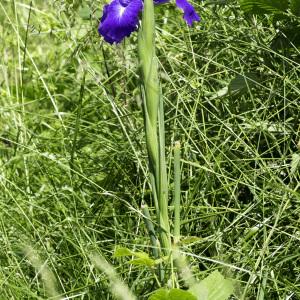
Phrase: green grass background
x=73 y=164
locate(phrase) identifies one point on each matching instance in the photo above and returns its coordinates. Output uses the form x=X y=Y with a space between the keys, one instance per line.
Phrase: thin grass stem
x=177 y=192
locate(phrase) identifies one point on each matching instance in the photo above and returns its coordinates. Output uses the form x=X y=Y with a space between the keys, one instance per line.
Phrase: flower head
x=121 y=17
x=189 y=13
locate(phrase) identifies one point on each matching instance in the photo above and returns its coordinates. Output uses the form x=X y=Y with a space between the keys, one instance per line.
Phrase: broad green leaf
x=213 y=287
x=242 y=83
x=173 y=294
x=295 y=7
x=177 y=294
x=122 y=251
x=161 y=294
x=264 y=6
x=288 y=37
x=187 y=240
x=146 y=261
x=140 y=254
x=142 y=258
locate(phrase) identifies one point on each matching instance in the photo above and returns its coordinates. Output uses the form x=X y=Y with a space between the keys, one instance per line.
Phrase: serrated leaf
x=146 y=261
x=295 y=7
x=142 y=258
x=173 y=294
x=213 y=287
x=264 y=6
x=140 y=254
x=122 y=251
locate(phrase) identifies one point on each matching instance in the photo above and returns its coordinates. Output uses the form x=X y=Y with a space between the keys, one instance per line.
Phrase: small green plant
x=213 y=287
x=74 y=178
x=153 y=109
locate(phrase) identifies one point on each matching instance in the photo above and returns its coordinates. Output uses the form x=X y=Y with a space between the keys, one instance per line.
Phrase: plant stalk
x=154 y=123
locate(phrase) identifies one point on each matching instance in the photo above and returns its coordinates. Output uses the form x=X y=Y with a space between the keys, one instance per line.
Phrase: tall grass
x=73 y=157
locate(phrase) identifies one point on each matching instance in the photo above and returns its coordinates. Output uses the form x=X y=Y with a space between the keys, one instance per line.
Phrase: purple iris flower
x=189 y=13
x=121 y=17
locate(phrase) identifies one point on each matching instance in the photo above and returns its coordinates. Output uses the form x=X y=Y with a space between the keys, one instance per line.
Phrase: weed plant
x=73 y=160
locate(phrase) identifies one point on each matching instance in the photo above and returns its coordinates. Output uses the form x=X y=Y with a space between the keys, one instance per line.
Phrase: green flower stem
x=163 y=182
x=154 y=123
x=151 y=230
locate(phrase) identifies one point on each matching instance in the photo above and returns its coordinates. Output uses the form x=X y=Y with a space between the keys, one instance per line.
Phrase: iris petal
x=189 y=13
x=160 y=1
x=120 y=18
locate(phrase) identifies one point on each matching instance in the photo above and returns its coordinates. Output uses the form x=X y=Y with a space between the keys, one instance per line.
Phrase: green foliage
x=272 y=7
x=72 y=180
x=288 y=28
x=121 y=252
x=172 y=294
x=242 y=83
x=142 y=258
x=213 y=287
x=295 y=7
x=264 y=6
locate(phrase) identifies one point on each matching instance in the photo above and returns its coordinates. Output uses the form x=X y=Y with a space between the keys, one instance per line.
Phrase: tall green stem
x=154 y=123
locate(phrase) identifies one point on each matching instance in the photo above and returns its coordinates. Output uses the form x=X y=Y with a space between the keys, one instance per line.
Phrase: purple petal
x=160 y=1
x=189 y=13
x=120 y=18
